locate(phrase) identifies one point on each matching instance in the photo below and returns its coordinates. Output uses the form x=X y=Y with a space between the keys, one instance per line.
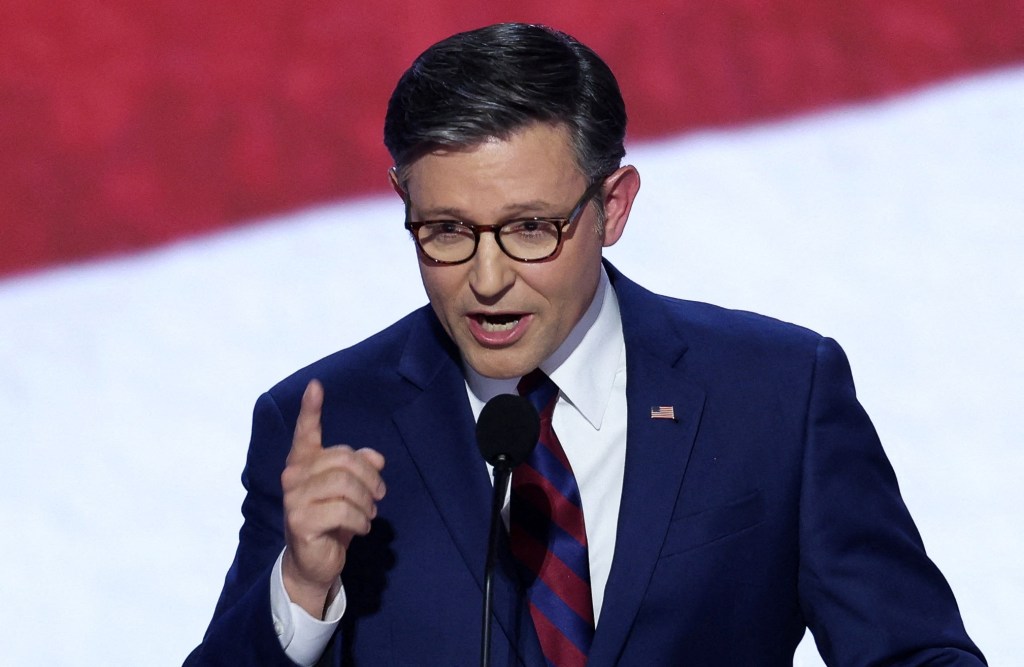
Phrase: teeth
x=498 y=325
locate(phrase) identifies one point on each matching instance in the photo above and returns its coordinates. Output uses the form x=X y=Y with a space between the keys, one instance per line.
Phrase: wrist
x=314 y=597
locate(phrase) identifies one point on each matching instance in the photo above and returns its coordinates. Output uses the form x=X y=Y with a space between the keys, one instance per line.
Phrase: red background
x=124 y=124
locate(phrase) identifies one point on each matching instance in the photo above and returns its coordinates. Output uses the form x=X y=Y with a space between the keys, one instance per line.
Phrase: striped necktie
x=549 y=540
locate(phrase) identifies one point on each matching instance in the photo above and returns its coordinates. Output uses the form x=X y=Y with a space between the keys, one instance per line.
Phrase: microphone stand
x=502 y=473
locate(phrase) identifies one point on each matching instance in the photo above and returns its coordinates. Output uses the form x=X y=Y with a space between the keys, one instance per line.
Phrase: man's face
x=508 y=316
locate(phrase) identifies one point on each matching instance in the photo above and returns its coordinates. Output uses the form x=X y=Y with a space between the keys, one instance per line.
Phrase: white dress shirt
x=590 y=420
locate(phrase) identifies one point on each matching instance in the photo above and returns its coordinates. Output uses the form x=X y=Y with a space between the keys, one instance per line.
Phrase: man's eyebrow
x=534 y=208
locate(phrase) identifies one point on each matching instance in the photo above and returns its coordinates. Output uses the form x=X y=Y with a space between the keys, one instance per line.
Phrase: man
x=733 y=492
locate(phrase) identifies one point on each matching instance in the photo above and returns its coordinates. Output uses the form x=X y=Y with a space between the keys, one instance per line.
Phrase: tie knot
x=539 y=389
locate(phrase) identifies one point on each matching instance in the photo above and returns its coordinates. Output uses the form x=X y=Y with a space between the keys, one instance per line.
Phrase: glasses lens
x=529 y=239
x=446 y=241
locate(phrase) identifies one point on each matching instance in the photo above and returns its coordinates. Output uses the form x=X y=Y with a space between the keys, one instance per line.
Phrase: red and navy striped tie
x=549 y=540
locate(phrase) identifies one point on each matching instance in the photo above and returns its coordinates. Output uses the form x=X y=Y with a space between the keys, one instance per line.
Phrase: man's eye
x=530 y=229
x=445 y=232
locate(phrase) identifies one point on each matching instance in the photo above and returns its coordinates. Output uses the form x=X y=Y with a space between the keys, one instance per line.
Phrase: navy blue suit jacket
x=768 y=505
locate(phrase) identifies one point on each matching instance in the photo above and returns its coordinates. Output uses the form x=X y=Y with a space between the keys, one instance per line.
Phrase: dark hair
x=496 y=80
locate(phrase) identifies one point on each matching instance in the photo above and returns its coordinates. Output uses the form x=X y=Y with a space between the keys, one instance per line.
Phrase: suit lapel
x=438 y=430
x=657 y=454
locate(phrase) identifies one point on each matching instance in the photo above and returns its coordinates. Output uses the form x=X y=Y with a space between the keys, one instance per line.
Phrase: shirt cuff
x=302 y=636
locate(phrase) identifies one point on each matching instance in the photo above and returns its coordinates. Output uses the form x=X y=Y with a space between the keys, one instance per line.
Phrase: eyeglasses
x=522 y=239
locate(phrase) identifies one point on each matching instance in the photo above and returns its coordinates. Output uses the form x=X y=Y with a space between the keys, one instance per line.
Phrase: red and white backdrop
x=193 y=203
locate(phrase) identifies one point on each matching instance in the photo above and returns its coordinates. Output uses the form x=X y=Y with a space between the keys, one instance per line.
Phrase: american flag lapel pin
x=663 y=412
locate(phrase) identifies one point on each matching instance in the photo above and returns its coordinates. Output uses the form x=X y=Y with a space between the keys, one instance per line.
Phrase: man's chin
x=499 y=364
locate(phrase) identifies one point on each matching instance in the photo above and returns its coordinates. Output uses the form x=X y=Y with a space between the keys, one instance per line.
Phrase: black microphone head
x=507 y=429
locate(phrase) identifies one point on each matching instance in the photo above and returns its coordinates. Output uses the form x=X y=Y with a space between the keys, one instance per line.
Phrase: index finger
x=308 y=436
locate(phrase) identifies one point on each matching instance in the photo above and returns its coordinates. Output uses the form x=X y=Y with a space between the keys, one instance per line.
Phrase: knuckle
x=292 y=503
x=289 y=477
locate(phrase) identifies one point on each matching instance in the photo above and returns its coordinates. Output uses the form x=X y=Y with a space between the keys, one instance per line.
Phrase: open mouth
x=498 y=322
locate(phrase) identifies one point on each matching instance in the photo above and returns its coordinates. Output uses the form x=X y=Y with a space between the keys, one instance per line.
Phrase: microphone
x=506 y=433
x=507 y=430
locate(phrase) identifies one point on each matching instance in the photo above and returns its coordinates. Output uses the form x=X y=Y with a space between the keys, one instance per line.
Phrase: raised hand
x=330 y=496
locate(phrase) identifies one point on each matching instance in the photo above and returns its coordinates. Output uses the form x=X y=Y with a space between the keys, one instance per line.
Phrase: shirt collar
x=584 y=365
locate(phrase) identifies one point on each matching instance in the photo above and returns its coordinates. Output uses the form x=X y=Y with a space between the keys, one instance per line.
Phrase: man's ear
x=619 y=192
x=395 y=185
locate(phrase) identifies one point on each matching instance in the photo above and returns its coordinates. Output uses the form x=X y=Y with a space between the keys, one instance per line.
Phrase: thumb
x=308 y=437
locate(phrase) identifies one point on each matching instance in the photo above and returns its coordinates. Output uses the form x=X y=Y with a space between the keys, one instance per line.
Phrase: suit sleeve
x=242 y=630
x=870 y=593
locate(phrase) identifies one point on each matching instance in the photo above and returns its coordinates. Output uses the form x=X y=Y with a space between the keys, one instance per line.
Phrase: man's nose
x=491 y=272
